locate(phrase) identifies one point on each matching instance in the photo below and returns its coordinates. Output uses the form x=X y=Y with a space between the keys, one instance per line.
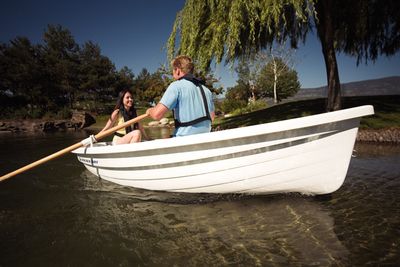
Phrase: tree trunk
x=253 y=94
x=275 y=81
x=326 y=36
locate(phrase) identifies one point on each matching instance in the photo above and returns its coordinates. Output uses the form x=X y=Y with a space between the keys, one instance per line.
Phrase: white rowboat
x=308 y=155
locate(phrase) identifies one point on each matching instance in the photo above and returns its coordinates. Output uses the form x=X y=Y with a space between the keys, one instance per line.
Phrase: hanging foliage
x=210 y=30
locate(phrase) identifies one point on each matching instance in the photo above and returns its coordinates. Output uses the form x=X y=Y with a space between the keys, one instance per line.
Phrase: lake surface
x=59 y=214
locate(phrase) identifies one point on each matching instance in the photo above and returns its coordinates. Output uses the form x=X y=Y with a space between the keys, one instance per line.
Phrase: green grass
x=387 y=112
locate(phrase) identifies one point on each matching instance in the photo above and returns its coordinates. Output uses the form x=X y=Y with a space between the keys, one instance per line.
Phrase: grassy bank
x=387 y=112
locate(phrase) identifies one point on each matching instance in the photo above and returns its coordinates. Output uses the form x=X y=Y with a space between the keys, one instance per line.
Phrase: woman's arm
x=111 y=120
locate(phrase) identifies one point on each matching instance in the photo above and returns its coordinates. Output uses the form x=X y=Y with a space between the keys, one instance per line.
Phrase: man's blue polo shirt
x=185 y=99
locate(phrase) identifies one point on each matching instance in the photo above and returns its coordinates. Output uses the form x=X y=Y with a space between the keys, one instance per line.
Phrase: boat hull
x=308 y=155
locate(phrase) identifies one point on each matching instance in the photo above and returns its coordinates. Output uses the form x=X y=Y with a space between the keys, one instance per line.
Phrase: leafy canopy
x=212 y=29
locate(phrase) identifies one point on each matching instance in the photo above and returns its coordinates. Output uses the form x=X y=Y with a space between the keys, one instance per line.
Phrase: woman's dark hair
x=127 y=114
x=120 y=100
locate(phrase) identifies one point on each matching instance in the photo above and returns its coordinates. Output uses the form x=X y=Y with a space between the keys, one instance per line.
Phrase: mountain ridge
x=382 y=86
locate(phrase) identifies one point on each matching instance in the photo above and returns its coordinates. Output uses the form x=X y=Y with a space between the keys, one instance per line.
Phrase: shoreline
x=385 y=135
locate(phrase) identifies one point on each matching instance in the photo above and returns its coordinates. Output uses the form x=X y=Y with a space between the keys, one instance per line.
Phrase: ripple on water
x=63 y=215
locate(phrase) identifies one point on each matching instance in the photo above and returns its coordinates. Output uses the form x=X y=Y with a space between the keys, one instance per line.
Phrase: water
x=58 y=214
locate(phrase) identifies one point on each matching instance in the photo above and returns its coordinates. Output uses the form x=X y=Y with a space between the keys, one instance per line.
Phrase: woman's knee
x=136 y=136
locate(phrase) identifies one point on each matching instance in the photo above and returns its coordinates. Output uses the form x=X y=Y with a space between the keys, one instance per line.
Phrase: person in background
x=124 y=111
x=188 y=98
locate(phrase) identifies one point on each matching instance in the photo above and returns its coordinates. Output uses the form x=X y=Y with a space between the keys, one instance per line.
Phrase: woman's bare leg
x=132 y=137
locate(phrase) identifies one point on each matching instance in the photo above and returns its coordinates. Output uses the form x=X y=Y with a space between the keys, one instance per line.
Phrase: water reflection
x=218 y=229
x=59 y=214
x=376 y=150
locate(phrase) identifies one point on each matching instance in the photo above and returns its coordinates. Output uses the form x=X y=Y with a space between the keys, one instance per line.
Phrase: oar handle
x=71 y=148
x=41 y=161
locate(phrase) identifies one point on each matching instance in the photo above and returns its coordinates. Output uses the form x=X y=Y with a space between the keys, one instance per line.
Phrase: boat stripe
x=247 y=179
x=220 y=144
x=192 y=175
x=220 y=157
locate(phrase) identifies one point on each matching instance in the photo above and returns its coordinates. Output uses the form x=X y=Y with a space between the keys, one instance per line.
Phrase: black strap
x=189 y=123
x=203 y=94
x=119 y=134
x=198 y=84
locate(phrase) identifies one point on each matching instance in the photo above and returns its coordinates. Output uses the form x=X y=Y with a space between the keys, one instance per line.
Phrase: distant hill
x=383 y=86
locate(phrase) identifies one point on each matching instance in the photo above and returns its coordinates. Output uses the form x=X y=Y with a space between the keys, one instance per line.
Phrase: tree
x=213 y=30
x=3 y=68
x=245 y=88
x=155 y=88
x=281 y=61
x=141 y=82
x=238 y=96
x=234 y=99
x=62 y=61
x=124 y=78
x=277 y=80
x=246 y=81
x=97 y=72
x=21 y=71
x=50 y=76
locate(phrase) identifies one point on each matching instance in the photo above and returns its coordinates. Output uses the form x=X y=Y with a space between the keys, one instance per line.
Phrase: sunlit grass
x=387 y=112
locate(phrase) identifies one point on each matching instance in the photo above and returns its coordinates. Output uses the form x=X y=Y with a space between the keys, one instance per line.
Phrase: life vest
x=198 y=84
x=124 y=116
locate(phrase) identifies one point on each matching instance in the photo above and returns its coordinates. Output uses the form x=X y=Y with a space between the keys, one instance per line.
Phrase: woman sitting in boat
x=189 y=99
x=124 y=111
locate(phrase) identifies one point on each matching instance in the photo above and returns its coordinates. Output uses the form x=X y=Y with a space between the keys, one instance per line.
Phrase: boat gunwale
x=236 y=133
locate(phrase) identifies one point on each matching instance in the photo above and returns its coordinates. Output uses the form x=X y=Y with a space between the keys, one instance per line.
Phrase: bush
x=36 y=113
x=256 y=105
x=64 y=113
x=238 y=107
x=230 y=105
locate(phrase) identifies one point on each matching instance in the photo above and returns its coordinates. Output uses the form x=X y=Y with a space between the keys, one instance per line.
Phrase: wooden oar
x=73 y=147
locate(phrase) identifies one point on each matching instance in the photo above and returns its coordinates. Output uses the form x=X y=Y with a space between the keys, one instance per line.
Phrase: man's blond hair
x=184 y=63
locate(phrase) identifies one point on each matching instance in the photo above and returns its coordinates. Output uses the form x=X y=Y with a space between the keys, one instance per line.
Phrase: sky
x=134 y=34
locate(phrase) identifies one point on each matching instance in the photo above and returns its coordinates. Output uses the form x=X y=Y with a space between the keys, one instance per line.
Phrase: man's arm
x=158 y=112
x=212 y=114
